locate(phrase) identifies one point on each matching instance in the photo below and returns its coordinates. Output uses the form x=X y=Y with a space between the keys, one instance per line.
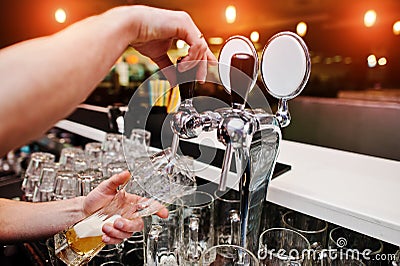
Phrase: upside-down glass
x=140 y=137
x=71 y=157
x=31 y=178
x=282 y=246
x=228 y=255
x=116 y=168
x=314 y=229
x=66 y=185
x=112 y=148
x=137 y=145
x=162 y=176
x=94 y=155
x=88 y=180
x=44 y=191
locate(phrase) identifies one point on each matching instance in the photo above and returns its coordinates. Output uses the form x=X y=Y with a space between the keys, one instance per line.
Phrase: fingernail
x=105 y=239
x=119 y=224
x=107 y=228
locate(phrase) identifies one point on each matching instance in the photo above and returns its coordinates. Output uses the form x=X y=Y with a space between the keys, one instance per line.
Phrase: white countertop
x=351 y=190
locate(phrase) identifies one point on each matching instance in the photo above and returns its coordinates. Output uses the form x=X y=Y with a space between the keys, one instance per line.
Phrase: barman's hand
x=121 y=228
x=159 y=27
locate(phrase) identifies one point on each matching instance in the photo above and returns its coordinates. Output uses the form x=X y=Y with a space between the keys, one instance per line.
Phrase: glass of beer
x=163 y=177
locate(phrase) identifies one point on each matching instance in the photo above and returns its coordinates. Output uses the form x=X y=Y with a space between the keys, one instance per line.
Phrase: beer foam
x=92 y=225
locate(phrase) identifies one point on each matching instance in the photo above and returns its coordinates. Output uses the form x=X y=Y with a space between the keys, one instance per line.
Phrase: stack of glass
x=78 y=170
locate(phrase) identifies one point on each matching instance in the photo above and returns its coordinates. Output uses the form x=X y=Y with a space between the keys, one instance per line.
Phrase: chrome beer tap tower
x=252 y=135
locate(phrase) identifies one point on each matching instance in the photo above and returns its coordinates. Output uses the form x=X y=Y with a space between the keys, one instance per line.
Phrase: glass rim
x=42 y=156
x=111 y=262
x=217 y=197
x=325 y=228
x=67 y=149
x=93 y=144
x=141 y=130
x=374 y=252
x=201 y=205
x=177 y=203
x=284 y=229
x=66 y=173
x=251 y=254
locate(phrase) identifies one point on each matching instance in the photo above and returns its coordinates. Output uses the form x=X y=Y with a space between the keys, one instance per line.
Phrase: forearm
x=44 y=79
x=23 y=221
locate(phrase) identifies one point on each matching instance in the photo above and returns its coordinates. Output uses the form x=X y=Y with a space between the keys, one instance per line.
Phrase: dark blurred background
x=352 y=100
x=336 y=35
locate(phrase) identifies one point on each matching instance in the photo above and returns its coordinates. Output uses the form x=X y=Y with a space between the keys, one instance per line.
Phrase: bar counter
x=352 y=190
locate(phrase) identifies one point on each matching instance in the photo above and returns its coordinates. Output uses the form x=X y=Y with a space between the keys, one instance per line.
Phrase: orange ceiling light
x=371 y=60
x=132 y=59
x=348 y=60
x=396 y=28
x=301 y=28
x=370 y=18
x=230 y=14
x=215 y=40
x=60 y=15
x=382 y=61
x=255 y=36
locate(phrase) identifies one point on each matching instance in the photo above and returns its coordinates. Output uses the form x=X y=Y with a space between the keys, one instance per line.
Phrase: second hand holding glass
x=163 y=176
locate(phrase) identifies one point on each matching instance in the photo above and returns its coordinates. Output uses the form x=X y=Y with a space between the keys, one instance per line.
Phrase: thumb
x=111 y=185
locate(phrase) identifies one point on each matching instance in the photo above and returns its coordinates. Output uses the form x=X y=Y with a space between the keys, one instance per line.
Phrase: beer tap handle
x=187 y=82
x=241 y=79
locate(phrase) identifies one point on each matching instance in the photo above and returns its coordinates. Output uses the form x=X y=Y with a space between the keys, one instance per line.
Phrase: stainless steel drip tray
x=207 y=186
x=280 y=168
x=210 y=155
